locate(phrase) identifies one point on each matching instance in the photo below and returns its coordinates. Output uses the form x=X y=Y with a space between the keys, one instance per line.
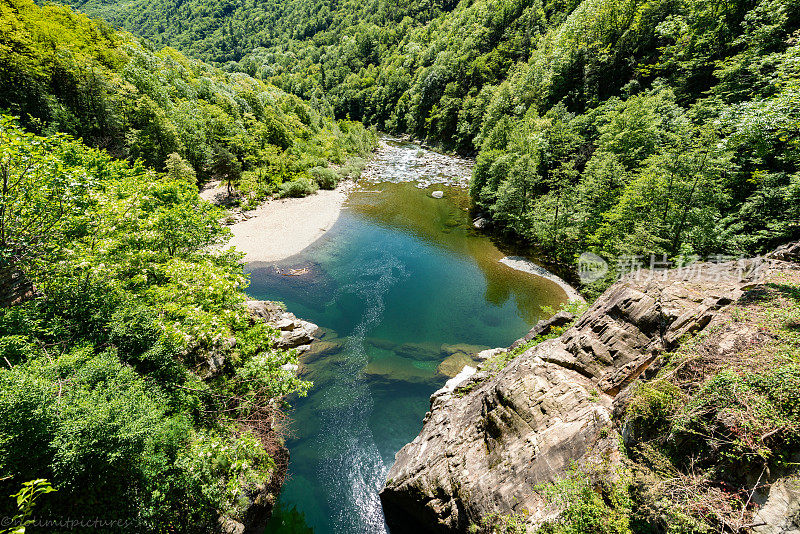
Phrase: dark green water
x=399 y=279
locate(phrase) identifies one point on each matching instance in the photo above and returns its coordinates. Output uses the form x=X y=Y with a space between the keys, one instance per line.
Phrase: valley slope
x=617 y=126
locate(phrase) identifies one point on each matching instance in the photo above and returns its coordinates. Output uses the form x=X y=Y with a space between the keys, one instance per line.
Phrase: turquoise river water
x=404 y=289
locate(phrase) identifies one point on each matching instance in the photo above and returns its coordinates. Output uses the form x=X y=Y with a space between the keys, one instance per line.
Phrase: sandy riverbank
x=281 y=228
x=525 y=265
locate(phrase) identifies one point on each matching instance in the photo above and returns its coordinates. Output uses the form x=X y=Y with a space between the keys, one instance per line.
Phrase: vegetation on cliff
x=133 y=377
x=721 y=419
x=705 y=437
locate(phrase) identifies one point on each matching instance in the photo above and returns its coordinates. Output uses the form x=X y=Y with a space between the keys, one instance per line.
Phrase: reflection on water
x=406 y=292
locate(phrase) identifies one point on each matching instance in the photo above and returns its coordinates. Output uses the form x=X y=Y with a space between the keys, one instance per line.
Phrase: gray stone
x=480 y=223
x=488 y=441
x=781 y=513
x=294 y=332
x=787 y=252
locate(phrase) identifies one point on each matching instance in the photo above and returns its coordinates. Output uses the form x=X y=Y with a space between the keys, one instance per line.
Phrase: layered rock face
x=294 y=333
x=488 y=442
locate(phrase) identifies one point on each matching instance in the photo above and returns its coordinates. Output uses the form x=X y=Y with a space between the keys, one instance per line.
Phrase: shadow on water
x=286 y=519
x=406 y=292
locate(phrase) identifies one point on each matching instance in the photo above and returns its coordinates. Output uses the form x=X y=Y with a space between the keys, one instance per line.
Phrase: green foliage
x=500 y=524
x=106 y=387
x=64 y=72
x=26 y=500
x=588 y=504
x=653 y=404
x=324 y=177
x=733 y=414
x=298 y=188
x=620 y=127
x=225 y=468
x=178 y=168
x=38 y=195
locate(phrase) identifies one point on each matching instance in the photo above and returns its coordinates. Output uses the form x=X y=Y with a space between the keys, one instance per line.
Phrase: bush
x=297 y=188
x=324 y=177
x=352 y=168
x=590 y=503
x=736 y=413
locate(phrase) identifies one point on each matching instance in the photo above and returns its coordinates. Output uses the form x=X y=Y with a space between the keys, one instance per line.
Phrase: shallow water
x=400 y=284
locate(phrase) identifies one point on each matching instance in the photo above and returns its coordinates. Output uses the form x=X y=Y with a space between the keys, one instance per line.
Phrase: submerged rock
x=393 y=368
x=417 y=351
x=464 y=348
x=453 y=364
x=320 y=349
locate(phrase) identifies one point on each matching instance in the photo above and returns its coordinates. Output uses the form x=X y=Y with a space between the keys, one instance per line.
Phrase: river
x=405 y=289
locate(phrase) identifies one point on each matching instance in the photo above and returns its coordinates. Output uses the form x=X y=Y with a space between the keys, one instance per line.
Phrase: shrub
x=589 y=503
x=324 y=177
x=298 y=188
x=738 y=414
x=352 y=168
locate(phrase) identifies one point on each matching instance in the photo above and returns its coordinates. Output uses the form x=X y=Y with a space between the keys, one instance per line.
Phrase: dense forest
x=106 y=387
x=621 y=126
x=64 y=72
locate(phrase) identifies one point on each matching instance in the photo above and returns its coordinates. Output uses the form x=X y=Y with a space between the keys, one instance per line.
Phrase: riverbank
x=281 y=228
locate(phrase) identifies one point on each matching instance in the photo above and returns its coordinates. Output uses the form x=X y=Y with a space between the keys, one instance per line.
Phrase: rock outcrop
x=490 y=440
x=294 y=333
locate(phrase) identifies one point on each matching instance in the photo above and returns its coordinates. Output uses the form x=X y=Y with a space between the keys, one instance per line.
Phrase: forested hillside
x=132 y=377
x=60 y=71
x=620 y=126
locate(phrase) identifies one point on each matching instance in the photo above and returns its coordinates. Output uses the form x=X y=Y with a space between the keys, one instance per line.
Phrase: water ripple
x=351 y=464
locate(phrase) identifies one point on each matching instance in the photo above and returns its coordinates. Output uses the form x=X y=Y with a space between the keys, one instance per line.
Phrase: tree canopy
x=621 y=126
x=106 y=389
x=63 y=72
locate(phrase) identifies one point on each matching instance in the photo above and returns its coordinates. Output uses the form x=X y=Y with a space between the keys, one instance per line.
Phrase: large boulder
x=490 y=441
x=294 y=333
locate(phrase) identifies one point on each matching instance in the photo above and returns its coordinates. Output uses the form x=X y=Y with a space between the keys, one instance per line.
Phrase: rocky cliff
x=495 y=444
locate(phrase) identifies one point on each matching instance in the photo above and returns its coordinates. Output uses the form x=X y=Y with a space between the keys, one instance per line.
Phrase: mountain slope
x=64 y=72
x=623 y=127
